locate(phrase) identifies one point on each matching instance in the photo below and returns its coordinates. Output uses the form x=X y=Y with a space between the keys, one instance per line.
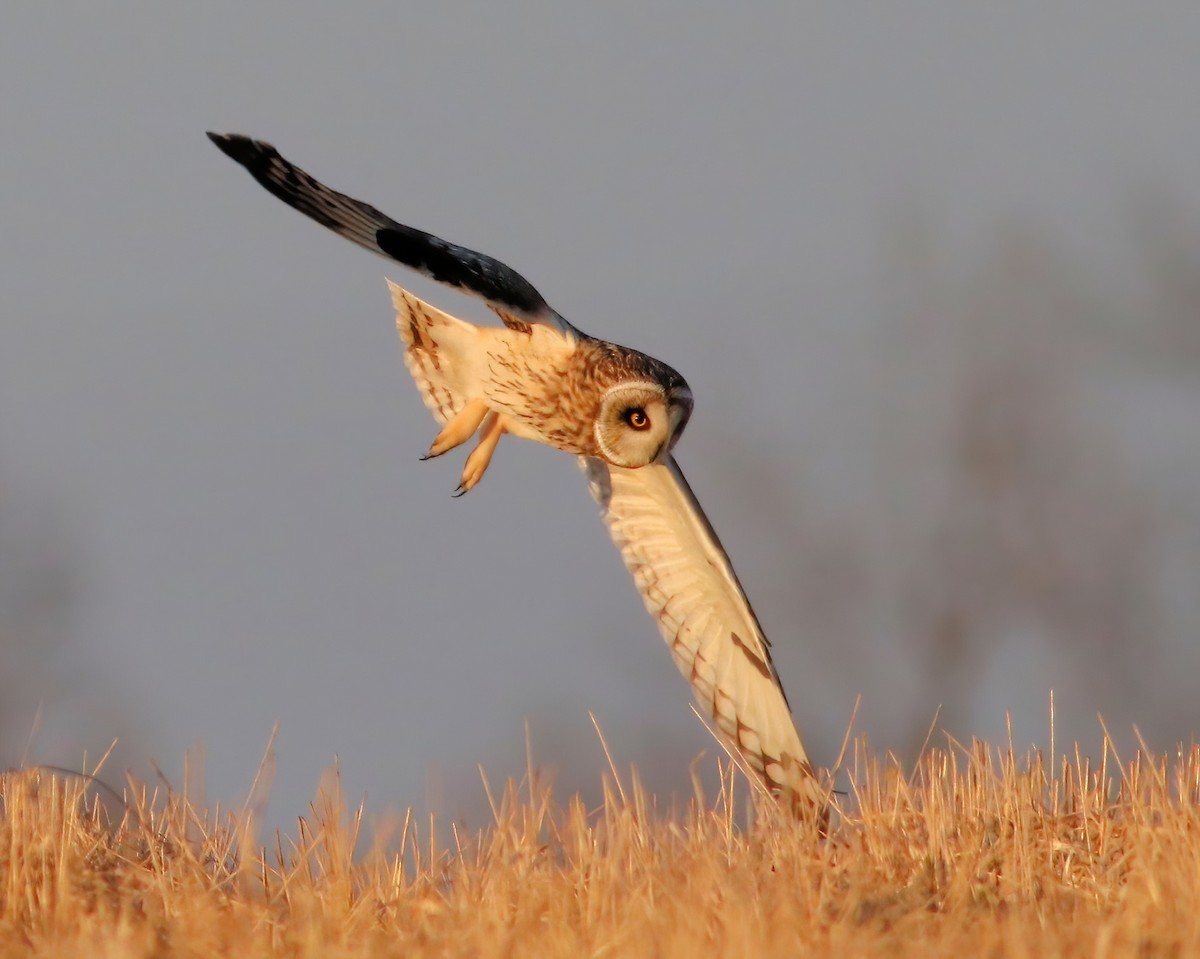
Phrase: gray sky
x=201 y=392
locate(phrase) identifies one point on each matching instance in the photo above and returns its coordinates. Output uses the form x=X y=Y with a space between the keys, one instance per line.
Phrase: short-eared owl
x=621 y=412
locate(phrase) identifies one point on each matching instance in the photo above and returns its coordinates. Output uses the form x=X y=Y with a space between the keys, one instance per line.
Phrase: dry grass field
x=973 y=852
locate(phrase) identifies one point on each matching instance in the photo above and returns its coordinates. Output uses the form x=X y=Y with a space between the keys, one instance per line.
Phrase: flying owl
x=621 y=412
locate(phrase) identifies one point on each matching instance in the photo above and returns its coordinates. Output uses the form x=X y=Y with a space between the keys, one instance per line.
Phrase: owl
x=572 y=392
x=621 y=413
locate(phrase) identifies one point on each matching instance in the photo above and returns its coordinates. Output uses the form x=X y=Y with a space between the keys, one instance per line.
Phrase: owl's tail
x=440 y=353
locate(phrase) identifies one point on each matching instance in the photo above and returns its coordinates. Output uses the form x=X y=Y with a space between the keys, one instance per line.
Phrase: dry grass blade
x=972 y=851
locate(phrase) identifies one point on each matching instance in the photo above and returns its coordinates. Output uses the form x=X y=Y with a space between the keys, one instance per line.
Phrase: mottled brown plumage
x=567 y=391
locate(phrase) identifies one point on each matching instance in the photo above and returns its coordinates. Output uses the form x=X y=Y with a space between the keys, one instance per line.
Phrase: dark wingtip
x=239 y=147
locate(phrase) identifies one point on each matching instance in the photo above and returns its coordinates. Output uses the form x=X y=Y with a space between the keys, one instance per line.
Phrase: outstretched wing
x=689 y=587
x=508 y=293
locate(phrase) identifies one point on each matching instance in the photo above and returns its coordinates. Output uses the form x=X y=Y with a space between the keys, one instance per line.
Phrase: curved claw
x=459 y=429
x=481 y=456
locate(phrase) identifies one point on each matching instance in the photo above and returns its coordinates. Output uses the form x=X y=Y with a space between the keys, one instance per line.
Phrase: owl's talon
x=481 y=456
x=465 y=422
x=460 y=491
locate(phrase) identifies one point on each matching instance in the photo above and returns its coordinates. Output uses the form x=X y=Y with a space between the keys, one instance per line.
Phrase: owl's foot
x=459 y=429
x=481 y=456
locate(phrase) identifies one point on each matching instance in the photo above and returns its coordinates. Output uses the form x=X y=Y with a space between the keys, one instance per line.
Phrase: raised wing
x=508 y=293
x=690 y=589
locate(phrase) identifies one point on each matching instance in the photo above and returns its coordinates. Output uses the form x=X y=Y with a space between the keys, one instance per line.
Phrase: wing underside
x=689 y=588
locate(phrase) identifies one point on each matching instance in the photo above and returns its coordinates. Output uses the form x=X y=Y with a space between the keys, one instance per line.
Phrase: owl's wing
x=512 y=296
x=690 y=589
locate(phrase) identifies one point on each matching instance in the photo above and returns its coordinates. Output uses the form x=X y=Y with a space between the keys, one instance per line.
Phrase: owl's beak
x=680 y=411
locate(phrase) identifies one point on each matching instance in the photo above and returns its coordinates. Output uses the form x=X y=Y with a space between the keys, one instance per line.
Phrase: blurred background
x=932 y=271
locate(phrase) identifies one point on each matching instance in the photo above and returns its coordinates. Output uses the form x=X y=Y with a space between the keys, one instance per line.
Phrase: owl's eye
x=636 y=417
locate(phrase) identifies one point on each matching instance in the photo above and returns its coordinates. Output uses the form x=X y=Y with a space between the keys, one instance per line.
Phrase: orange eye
x=636 y=417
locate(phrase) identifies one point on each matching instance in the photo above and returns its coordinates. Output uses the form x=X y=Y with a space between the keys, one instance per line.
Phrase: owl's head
x=640 y=420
